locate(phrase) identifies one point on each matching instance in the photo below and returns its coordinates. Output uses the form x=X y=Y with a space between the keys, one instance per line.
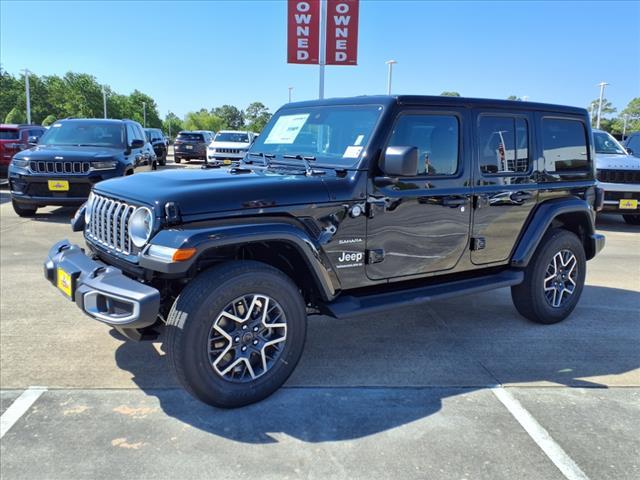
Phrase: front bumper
x=101 y=291
x=614 y=192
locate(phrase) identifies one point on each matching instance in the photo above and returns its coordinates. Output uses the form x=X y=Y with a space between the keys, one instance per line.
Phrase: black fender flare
x=541 y=220
x=206 y=238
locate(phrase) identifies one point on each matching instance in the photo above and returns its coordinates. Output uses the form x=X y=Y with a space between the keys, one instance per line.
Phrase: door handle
x=454 y=201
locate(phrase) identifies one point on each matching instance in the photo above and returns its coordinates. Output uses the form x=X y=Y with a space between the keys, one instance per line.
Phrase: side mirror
x=400 y=162
x=629 y=151
x=137 y=143
x=33 y=140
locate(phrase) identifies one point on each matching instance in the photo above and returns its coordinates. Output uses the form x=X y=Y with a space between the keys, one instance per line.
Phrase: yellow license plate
x=65 y=283
x=628 y=204
x=226 y=161
x=58 y=185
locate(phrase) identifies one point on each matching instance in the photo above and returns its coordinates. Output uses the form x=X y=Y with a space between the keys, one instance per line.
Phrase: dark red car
x=14 y=138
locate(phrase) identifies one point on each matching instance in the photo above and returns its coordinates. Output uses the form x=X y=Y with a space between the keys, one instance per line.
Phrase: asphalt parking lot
x=461 y=388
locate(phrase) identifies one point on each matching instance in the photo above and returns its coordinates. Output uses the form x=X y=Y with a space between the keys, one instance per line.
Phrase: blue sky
x=189 y=55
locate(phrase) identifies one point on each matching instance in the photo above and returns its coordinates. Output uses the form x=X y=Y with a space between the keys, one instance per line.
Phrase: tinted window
x=191 y=137
x=605 y=143
x=565 y=145
x=9 y=134
x=90 y=133
x=634 y=144
x=232 y=137
x=435 y=136
x=503 y=144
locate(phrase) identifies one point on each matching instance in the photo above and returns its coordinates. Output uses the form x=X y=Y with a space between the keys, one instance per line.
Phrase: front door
x=505 y=189
x=420 y=224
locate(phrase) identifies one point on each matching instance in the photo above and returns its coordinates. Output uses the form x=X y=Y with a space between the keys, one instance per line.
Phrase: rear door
x=418 y=225
x=505 y=189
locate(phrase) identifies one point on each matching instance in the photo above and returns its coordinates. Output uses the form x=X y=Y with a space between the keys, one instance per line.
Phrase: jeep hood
x=617 y=162
x=68 y=153
x=203 y=191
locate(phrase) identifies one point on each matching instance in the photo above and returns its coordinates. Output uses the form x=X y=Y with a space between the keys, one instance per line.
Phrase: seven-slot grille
x=109 y=224
x=228 y=150
x=619 y=176
x=59 y=167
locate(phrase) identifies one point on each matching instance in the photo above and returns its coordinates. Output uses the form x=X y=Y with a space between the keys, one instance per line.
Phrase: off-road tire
x=162 y=161
x=25 y=212
x=194 y=312
x=632 y=219
x=529 y=296
x=177 y=159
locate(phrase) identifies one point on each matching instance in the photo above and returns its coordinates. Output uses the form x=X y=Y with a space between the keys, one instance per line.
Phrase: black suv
x=71 y=157
x=341 y=207
x=191 y=145
x=159 y=143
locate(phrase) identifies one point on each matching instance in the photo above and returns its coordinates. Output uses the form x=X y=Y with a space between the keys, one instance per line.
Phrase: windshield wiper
x=265 y=156
x=306 y=159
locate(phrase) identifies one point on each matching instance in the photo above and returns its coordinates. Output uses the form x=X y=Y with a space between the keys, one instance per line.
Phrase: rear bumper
x=101 y=291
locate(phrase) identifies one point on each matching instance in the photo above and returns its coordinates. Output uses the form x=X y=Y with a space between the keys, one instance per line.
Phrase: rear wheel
x=553 y=280
x=23 y=211
x=163 y=159
x=177 y=159
x=632 y=219
x=236 y=333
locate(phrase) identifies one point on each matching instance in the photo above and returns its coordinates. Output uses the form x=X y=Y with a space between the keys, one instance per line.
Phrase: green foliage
x=449 y=94
x=203 y=120
x=48 y=120
x=232 y=117
x=514 y=97
x=256 y=116
x=172 y=125
x=16 y=116
x=607 y=108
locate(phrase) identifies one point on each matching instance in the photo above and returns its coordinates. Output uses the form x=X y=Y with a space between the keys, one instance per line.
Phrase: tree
x=16 y=115
x=607 y=108
x=632 y=111
x=9 y=93
x=172 y=125
x=232 y=118
x=256 y=116
x=514 y=97
x=48 y=120
x=449 y=94
x=203 y=120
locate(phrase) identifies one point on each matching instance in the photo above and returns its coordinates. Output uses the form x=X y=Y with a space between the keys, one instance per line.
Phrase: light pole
x=26 y=90
x=602 y=85
x=624 y=125
x=169 y=124
x=290 y=89
x=390 y=63
x=144 y=114
x=104 y=101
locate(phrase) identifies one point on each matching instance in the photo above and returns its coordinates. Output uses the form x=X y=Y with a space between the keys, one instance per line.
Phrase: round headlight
x=88 y=207
x=141 y=226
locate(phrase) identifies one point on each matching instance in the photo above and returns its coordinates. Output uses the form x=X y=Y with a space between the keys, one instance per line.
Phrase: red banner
x=303 y=37
x=342 y=32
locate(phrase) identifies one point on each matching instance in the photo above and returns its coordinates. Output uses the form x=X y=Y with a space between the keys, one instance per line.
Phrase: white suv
x=229 y=146
x=619 y=177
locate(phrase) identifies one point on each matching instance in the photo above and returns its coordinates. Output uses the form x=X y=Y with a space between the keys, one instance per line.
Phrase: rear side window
x=9 y=134
x=503 y=144
x=565 y=145
x=191 y=137
x=634 y=144
x=436 y=138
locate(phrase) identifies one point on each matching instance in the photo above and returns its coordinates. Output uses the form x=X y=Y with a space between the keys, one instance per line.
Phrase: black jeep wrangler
x=341 y=207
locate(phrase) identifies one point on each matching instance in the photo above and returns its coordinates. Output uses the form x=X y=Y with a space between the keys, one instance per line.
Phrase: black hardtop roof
x=440 y=100
x=101 y=120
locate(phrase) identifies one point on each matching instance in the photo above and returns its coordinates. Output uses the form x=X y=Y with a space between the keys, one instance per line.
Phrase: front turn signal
x=183 y=254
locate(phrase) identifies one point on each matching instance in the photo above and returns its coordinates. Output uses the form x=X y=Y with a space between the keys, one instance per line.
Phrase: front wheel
x=553 y=280
x=632 y=219
x=177 y=159
x=236 y=333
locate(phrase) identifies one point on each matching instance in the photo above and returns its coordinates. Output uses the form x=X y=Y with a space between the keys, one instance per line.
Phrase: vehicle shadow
x=368 y=375
x=56 y=215
x=5 y=196
x=609 y=222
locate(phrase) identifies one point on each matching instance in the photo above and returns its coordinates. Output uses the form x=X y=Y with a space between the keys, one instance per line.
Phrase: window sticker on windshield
x=352 y=151
x=359 y=139
x=286 y=129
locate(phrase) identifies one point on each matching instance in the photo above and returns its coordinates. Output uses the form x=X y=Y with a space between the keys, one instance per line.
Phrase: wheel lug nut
x=244 y=349
x=244 y=327
x=255 y=342
x=255 y=329
x=237 y=339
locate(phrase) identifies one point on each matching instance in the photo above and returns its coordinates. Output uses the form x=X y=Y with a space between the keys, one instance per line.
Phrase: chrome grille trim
x=73 y=168
x=109 y=224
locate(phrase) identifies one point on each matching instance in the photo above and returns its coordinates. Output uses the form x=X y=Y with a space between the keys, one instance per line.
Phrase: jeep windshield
x=98 y=134
x=232 y=137
x=334 y=135
x=606 y=144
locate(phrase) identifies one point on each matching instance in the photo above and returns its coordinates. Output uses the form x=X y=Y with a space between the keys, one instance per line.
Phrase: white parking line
x=554 y=452
x=19 y=407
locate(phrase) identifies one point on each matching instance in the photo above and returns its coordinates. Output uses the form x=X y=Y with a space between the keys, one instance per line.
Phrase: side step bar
x=351 y=305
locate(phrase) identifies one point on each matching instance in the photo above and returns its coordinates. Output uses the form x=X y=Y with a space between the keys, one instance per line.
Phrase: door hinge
x=478 y=243
x=480 y=201
x=375 y=256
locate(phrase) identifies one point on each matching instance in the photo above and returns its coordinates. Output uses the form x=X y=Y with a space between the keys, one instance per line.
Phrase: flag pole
x=323 y=47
